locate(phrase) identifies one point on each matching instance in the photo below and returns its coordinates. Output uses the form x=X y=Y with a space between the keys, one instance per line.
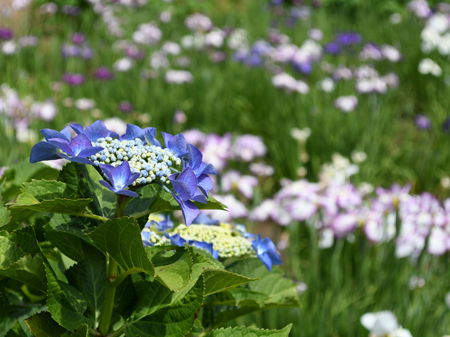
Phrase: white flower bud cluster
x=152 y=162
x=226 y=241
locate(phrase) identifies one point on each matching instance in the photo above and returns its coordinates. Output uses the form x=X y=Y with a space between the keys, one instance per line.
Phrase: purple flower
x=69 y=50
x=134 y=132
x=200 y=169
x=125 y=107
x=78 y=38
x=244 y=183
x=446 y=125
x=103 y=73
x=248 y=147
x=422 y=122
x=203 y=219
x=179 y=117
x=348 y=38
x=205 y=246
x=185 y=187
x=5 y=33
x=78 y=149
x=332 y=48
x=160 y=226
x=87 y=53
x=177 y=144
x=45 y=150
x=120 y=177
x=73 y=79
x=266 y=252
x=177 y=240
x=94 y=131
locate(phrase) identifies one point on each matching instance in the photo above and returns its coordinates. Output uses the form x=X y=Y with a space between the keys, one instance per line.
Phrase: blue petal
x=177 y=240
x=79 y=143
x=80 y=160
x=128 y=193
x=49 y=133
x=266 y=260
x=150 y=137
x=66 y=133
x=199 y=197
x=178 y=145
x=205 y=184
x=98 y=130
x=108 y=171
x=195 y=156
x=107 y=185
x=90 y=151
x=188 y=176
x=203 y=219
x=189 y=210
x=62 y=144
x=78 y=128
x=134 y=131
x=167 y=137
x=43 y=151
x=182 y=189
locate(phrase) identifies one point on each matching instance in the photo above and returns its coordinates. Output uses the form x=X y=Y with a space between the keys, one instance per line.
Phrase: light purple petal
x=78 y=128
x=150 y=137
x=195 y=156
x=62 y=145
x=107 y=185
x=189 y=210
x=90 y=151
x=182 y=189
x=167 y=137
x=205 y=184
x=128 y=193
x=188 y=176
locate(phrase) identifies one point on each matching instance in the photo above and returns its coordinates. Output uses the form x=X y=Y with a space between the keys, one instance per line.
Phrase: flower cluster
x=222 y=240
x=134 y=158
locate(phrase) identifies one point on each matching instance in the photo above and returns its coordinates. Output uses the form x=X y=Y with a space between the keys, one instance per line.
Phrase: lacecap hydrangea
x=221 y=240
x=134 y=159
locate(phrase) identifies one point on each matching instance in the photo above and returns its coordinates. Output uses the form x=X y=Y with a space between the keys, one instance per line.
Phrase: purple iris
x=185 y=187
x=253 y=60
x=120 y=177
x=446 y=125
x=87 y=53
x=103 y=74
x=77 y=38
x=332 y=48
x=45 y=150
x=5 y=33
x=69 y=50
x=266 y=252
x=348 y=38
x=423 y=122
x=304 y=67
x=95 y=131
x=200 y=169
x=73 y=79
x=177 y=144
x=78 y=149
x=125 y=107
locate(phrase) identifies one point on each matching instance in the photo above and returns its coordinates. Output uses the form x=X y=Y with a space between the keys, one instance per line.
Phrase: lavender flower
x=103 y=73
x=423 y=122
x=73 y=79
x=5 y=33
x=125 y=107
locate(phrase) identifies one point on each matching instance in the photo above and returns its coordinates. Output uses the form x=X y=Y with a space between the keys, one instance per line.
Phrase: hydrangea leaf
x=22 y=172
x=221 y=280
x=66 y=243
x=65 y=303
x=81 y=331
x=175 y=320
x=121 y=238
x=89 y=277
x=28 y=270
x=173 y=265
x=19 y=258
x=240 y=296
x=103 y=200
x=43 y=325
x=281 y=291
x=124 y=301
x=16 y=331
x=74 y=227
x=49 y=196
x=4 y=213
x=250 y=331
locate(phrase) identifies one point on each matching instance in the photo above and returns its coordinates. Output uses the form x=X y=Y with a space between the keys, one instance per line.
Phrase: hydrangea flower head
x=120 y=177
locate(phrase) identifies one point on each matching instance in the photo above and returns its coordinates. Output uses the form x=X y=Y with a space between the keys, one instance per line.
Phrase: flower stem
x=110 y=290
x=92 y=216
x=118 y=332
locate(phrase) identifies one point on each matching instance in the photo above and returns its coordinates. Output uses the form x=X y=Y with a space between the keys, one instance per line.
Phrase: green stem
x=110 y=293
x=93 y=332
x=92 y=216
x=110 y=290
x=118 y=332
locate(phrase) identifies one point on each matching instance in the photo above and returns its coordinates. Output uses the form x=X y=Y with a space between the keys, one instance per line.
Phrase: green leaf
x=28 y=270
x=69 y=176
x=76 y=227
x=49 y=196
x=221 y=280
x=67 y=243
x=174 y=271
x=103 y=201
x=65 y=303
x=250 y=331
x=240 y=296
x=4 y=213
x=124 y=301
x=175 y=320
x=81 y=331
x=42 y=325
x=121 y=238
x=89 y=276
x=281 y=291
x=25 y=238
x=16 y=331
x=22 y=172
